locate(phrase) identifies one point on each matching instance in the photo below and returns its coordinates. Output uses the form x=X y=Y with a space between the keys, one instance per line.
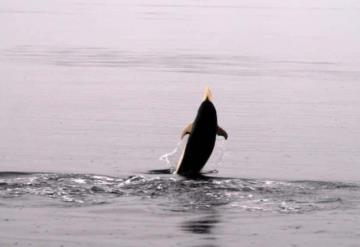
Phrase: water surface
x=92 y=94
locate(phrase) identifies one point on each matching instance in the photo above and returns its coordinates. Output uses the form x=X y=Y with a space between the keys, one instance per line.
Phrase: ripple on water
x=179 y=194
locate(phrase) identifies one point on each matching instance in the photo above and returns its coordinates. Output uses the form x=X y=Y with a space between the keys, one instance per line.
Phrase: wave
x=175 y=193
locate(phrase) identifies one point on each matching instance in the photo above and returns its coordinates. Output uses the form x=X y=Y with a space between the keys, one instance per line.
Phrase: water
x=206 y=207
x=179 y=194
x=92 y=93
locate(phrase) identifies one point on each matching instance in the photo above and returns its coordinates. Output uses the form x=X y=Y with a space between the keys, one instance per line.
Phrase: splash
x=171 y=158
x=174 y=193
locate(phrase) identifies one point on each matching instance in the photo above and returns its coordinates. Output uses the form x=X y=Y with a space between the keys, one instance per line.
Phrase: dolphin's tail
x=208 y=95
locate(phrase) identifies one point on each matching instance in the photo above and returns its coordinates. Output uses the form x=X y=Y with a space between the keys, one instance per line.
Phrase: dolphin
x=202 y=136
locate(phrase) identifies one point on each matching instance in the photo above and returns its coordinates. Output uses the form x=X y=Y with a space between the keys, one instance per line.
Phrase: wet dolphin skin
x=202 y=139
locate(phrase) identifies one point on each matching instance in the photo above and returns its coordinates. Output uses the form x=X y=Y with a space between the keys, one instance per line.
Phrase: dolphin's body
x=202 y=138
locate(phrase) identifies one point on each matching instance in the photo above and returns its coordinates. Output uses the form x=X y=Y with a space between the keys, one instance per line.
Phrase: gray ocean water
x=95 y=94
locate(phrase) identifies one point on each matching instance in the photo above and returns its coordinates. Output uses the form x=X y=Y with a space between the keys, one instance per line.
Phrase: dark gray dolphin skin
x=202 y=139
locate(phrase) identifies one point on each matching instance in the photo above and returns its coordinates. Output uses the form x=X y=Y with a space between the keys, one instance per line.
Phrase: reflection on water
x=201 y=225
x=204 y=226
x=202 y=206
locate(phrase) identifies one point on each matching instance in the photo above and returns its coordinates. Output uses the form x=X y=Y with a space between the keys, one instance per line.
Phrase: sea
x=94 y=96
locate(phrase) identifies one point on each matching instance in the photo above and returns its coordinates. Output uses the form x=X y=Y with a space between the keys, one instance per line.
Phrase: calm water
x=93 y=93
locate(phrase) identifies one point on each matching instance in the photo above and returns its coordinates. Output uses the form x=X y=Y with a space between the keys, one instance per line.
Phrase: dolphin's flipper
x=187 y=130
x=222 y=132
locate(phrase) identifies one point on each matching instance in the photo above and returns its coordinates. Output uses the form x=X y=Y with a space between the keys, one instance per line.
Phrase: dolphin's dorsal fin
x=187 y=130
x=222 y=132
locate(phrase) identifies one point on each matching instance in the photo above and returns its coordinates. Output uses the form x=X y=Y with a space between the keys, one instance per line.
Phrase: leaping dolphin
x=202 y=139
